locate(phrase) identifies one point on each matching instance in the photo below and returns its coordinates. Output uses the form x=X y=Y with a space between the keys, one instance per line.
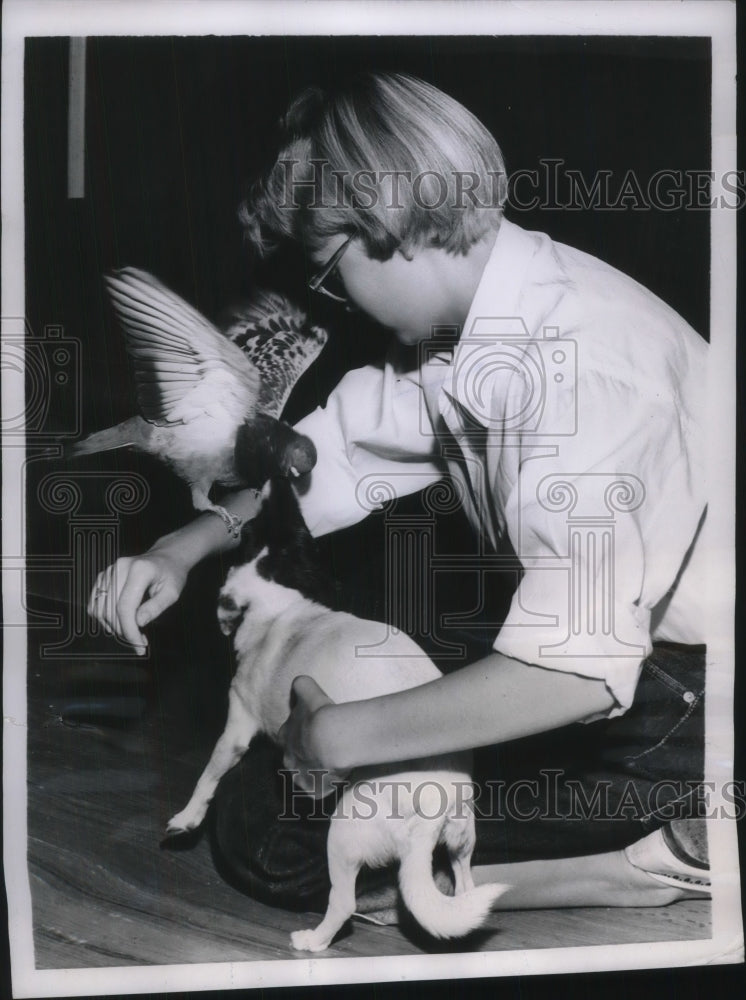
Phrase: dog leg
x=230 y=748
x=460 y=839
x=343 y=869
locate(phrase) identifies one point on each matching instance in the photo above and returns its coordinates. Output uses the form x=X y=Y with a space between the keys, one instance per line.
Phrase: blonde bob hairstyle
x=389 y=159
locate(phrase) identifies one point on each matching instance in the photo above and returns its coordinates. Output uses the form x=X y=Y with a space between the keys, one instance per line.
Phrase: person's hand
x=135 y=590
x=299 y=738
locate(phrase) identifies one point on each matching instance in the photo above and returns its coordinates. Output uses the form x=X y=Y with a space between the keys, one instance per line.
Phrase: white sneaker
x=663 y=856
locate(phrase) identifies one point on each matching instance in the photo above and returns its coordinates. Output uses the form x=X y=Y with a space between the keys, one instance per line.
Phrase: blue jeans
x=578 y=790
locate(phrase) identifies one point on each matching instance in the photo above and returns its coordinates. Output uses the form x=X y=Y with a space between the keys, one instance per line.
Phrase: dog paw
x=307 y=941
x=182 y=822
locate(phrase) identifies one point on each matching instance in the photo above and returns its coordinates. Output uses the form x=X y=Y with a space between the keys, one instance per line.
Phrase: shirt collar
x=495 y=313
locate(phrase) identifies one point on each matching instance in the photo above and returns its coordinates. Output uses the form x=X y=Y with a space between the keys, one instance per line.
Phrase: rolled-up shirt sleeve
x=374 y=442
x=584 y=513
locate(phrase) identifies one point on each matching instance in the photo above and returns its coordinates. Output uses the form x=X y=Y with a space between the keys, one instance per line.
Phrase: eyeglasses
x=327 y=281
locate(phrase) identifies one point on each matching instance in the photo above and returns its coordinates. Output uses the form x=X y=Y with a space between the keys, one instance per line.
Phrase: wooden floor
x=106 y=894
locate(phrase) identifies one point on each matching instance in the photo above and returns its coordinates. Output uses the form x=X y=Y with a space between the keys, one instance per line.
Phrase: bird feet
x=232 y=521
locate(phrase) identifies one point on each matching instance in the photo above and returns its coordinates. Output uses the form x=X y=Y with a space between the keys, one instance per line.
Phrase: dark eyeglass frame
x=316 y=283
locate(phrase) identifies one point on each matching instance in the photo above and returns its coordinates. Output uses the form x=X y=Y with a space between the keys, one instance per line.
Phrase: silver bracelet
x=233 y=522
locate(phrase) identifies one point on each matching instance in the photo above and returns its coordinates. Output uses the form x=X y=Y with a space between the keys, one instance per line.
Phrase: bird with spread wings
x=210 y=401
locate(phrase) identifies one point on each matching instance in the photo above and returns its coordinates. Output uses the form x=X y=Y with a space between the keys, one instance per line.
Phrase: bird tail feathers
x=127 y=433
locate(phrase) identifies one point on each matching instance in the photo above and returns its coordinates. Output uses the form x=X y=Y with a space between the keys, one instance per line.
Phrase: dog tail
x=440 y=915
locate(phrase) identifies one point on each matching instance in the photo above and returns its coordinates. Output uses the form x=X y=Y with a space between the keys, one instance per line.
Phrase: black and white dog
x=282 y=631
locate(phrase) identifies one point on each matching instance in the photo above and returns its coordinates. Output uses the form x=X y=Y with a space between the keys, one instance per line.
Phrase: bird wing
x=276 y=338
x=184 y=367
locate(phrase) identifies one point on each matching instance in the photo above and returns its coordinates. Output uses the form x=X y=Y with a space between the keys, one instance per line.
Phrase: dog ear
x=284 y=518
x=256 y=533
x=292 y=558
x=247 y=547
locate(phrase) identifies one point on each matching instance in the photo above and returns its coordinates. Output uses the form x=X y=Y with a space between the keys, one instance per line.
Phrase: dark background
x=175 y=127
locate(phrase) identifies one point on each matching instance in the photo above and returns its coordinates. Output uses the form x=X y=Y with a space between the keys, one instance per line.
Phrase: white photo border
x=22 y=18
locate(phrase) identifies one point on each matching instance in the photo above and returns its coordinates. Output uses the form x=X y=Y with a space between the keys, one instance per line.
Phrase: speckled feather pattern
x=276 y=338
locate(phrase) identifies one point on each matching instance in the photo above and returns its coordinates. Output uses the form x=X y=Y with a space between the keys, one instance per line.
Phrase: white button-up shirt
x=570 y=416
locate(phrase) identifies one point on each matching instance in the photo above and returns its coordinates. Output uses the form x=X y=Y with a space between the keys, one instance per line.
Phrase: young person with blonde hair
x=571 y=394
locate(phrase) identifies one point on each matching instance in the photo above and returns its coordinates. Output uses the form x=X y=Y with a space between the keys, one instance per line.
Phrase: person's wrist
x=189 y=545
x=324 y=747
x=176 y=556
